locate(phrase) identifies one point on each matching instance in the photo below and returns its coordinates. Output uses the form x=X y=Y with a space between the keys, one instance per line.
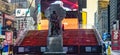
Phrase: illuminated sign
x=68 y=5
x=11 y=17
x=22 y=12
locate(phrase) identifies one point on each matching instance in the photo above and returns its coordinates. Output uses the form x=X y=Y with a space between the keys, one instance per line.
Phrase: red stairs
x=77 y=37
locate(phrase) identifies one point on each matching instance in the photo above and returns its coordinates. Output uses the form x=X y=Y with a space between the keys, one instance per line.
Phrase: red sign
x=8 y=37
x=9 y=17
x=115 y=40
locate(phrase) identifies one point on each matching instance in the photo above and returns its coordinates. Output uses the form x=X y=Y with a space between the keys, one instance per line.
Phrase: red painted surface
x=70 y=37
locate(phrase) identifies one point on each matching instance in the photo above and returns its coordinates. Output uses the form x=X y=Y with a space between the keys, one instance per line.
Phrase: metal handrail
x=98 y=36
x=18 y=42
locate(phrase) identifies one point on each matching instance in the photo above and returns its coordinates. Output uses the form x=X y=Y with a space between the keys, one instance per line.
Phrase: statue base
x=55 y=44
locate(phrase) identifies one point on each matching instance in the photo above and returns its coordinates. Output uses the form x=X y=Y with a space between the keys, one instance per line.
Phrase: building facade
x=90 y=10
x=114 y=23
x=118 y=12
x=113 y=15
x=19 y=3
x=24 y=13
x=102 y=20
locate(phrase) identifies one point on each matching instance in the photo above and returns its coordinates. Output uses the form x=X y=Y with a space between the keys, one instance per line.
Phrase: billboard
x=9 y=37
x=68 y=5
x=115 y=40
x=22 y=12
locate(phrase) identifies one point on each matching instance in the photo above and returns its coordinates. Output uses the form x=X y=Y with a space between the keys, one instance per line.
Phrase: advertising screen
x=71 y=7
x=68 y=5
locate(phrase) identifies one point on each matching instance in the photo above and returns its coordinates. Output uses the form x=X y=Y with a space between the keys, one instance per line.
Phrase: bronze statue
x=55 y=14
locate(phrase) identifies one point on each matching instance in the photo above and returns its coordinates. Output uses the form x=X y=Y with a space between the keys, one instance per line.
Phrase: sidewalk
x=116 y=52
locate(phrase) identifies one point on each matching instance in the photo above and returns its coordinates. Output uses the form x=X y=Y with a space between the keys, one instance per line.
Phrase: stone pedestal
x=55 y=46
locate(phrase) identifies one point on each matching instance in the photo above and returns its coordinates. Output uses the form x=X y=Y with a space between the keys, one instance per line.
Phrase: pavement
x=116 y=52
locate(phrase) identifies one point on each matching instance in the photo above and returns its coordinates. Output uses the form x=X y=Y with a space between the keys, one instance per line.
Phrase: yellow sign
x=39 y=26
x=84 y=19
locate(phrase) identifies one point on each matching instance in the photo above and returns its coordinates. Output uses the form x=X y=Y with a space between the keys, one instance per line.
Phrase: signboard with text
x=22 y=12
x=11 y=17
x=8 y=37
x=115 y=40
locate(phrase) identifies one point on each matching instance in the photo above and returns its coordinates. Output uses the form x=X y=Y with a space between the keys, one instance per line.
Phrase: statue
x=55 y=14
x=55 y=28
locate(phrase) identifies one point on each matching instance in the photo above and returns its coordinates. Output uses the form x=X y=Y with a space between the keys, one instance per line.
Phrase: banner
x=9 y=37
